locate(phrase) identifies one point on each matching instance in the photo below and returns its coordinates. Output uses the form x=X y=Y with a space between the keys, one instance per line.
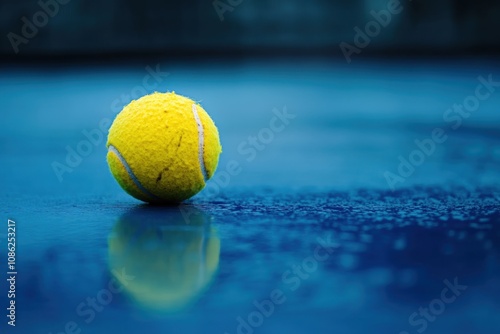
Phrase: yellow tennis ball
x=162 y=148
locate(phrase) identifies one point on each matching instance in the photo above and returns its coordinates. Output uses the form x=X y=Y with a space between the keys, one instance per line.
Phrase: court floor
x=330 y=224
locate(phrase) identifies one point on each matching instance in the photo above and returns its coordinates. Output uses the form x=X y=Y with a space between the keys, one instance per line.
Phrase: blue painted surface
x=314 y=196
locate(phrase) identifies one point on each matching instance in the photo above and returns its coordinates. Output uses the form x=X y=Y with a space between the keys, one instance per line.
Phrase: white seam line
x=130 y=173
x=200 y=143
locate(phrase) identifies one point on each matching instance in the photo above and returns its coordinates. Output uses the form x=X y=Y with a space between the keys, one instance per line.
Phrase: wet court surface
x=306 y=236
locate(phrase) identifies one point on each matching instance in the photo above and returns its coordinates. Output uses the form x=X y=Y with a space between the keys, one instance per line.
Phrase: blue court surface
x=360 y=199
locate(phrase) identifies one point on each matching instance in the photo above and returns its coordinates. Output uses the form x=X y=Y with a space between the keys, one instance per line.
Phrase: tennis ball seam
x=201 y=144
x=131 y=174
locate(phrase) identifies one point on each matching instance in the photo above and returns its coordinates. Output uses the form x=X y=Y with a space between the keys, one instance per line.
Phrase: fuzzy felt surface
x=157 y=137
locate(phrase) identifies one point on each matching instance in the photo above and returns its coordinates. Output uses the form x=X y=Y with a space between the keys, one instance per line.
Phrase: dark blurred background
x=233 y=27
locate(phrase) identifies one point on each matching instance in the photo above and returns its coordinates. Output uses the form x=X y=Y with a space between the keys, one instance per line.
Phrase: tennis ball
x=162 y=148
x=164 y=259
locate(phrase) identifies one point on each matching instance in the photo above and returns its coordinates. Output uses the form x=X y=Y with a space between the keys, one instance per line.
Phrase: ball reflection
x=172 y=253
